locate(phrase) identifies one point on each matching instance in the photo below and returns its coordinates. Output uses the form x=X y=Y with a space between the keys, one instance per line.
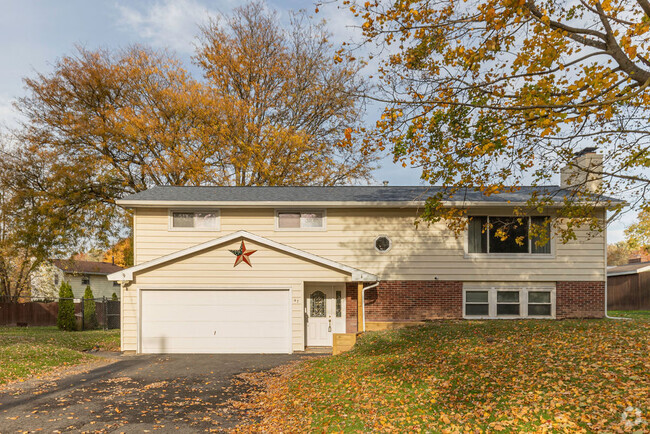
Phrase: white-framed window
x=507 y=236
x=194 y=220
x=300 y=220
x=85 y=280
x=508 y=302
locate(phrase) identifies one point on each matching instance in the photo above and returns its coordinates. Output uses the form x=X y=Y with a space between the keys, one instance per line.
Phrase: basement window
x=508 y=303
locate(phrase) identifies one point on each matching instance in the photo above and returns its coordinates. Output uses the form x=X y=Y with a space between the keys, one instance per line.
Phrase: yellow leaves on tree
x=539 y=80
x=121 y=253
x=289 y=103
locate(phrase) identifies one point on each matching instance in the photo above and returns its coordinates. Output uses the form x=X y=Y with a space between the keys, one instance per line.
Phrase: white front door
x=320 y=321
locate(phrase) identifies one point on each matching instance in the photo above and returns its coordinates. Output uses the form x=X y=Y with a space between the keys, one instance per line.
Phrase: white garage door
x=228 y=321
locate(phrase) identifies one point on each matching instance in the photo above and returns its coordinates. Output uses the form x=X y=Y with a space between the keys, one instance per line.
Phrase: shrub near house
x=90 y=315
x=66 y=319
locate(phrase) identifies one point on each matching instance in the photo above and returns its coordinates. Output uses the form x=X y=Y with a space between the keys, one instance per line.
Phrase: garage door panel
x=227 y=321
x=193 y=312
x=212 y=329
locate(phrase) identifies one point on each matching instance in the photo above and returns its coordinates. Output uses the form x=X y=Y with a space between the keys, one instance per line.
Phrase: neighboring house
x=79 y=274
x=277 y=269
x=628 y=286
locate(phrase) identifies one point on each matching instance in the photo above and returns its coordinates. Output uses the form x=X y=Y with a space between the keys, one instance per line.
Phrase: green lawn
x=31 y=351
x=472 y=376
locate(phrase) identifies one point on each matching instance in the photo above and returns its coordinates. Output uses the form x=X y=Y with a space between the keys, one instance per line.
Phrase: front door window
x=318 y=305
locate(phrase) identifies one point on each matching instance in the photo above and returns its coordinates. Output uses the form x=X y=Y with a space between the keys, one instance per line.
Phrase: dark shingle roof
x=330 y=194
x=85 y=267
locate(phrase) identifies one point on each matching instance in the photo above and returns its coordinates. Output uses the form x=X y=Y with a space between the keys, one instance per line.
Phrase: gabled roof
x=330 y=196
x=621 y=270
x=357 y=275
x=85 y=267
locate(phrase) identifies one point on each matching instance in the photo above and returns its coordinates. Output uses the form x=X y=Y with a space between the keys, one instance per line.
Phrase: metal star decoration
x=242 y=255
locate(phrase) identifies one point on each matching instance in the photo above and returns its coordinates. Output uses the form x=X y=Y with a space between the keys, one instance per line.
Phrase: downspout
x=605 y=253
x=363 y=302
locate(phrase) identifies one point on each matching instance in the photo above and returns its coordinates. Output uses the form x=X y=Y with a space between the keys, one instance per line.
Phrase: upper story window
x=194 y=220
x=507 y=235
x=313 y=220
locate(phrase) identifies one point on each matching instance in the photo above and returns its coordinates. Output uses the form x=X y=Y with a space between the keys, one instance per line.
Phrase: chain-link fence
x=40 y=311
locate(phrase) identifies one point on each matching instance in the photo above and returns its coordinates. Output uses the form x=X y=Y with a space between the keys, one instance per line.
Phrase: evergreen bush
x=65 y=319
x=90 y=314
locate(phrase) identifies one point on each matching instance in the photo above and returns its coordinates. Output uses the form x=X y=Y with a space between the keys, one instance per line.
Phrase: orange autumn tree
x=274 y=109
x=129 y=118
x=121 y=253
x=486 y=94
x=289 y=108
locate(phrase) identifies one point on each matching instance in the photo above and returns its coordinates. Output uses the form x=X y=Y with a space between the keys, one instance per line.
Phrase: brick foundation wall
x=407 y=300
x=579 y=300
x=417 y=300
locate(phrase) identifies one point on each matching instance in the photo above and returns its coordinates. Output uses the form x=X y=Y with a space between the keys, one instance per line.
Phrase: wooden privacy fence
x=44 y=313
x=629 y=292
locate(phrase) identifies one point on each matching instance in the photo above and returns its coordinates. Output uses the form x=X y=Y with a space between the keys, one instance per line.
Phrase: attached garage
x=215 y=321
x=202 y=299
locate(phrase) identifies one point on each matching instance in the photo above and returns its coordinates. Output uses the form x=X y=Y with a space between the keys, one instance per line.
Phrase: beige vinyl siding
x=417 y=253
x=129 y=318
x=213 y=269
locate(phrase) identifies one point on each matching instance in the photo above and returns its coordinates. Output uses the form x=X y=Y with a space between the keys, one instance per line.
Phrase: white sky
x=33 y=34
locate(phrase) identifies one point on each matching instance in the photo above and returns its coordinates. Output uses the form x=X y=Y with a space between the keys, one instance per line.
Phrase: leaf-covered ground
x=471 y=376
x=31 y=351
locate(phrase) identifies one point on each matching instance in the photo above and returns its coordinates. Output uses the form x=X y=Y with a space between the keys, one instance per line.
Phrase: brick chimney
x=584 y=170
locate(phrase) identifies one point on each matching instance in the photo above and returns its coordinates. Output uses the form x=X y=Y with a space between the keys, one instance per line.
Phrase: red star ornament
x=242 y=255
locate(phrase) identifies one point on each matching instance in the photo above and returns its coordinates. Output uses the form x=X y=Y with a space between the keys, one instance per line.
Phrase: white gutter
x=605 y=255
x=363 y=302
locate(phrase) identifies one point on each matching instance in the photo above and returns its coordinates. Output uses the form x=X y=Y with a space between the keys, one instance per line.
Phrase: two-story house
x=278 y=269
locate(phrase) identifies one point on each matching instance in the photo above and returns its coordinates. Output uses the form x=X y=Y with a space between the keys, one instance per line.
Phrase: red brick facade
x=579 y=300
x=407 y=300
x=417 y=300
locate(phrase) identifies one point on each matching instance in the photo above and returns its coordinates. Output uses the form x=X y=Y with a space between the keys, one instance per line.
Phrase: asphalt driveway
x=180 y=393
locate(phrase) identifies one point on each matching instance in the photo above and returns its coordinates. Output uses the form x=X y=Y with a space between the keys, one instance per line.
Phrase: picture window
x=508 y=235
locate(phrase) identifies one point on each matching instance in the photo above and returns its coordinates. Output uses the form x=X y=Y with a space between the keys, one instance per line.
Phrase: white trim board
x=126 y=275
